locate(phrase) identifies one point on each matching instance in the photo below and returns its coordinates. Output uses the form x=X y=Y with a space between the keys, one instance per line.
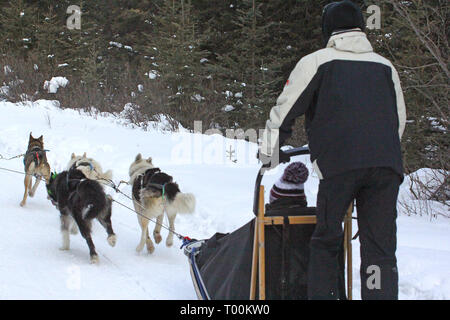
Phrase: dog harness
x=137 y=186
x=49 y=191
x=84 y=164
x=37 y=153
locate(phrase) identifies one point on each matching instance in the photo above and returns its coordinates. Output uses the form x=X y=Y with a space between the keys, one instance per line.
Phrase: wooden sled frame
x=258 y=258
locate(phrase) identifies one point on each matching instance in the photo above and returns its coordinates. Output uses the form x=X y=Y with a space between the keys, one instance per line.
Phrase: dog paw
x=94 y=259
x=64 y=248
x=22 y=203
x=139 y=248
x=157 y=237
x=169 y=242
x=150 y=247
x=31 y=194
x=112 y=240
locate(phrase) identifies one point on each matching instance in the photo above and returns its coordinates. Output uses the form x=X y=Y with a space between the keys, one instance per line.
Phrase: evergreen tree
x=49 y=36
x=18 y=26
x=220 y=61
x=247 y=71
x=179 y=61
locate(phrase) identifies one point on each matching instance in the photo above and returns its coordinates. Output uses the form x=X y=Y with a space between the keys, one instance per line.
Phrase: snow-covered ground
x=33 y=267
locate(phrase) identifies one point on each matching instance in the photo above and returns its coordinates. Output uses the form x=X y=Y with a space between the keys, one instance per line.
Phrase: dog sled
x=267 y=258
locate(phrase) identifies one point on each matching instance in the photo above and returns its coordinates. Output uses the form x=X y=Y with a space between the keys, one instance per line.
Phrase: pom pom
x=296 y=173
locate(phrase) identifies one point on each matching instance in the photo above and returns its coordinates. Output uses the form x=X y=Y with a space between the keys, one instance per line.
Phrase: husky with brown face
x=35 y=162
x=155 y=192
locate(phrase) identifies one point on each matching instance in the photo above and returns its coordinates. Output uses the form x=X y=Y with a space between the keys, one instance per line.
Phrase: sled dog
x=154 y=192
x=90 y=168
x=35 y=162
x=80 y=200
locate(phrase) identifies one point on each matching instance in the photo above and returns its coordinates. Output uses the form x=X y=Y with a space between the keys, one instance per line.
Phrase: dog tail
x=183 y=203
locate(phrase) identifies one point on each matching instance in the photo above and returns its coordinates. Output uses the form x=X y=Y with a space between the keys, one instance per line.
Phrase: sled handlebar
x=290 y=153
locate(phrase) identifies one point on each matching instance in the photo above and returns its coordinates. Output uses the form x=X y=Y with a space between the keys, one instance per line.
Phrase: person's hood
x=351 y=40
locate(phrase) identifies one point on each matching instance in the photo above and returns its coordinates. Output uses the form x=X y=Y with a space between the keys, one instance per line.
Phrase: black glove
x=284 y=157
x=267 y=160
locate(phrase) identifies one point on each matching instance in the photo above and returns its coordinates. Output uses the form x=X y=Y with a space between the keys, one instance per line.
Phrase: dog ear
x=84 y=155
x=138 y=157
x=31 y=136
x=72 y=156
x=149 y=160
x=41 y=138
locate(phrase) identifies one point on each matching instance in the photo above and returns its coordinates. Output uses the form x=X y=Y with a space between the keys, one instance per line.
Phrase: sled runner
x=267 y=258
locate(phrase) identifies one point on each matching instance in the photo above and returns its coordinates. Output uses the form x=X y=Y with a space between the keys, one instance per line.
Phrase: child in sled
x=289 y=190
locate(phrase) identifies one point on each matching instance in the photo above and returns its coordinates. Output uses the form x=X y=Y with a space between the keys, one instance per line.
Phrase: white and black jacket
x=353 y=105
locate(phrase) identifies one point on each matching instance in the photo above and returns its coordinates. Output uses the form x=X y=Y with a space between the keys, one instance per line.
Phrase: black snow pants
x=375 y=191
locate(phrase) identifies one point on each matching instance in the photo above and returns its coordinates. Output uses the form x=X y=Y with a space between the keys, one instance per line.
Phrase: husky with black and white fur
x=154 y=192
x=80 y=200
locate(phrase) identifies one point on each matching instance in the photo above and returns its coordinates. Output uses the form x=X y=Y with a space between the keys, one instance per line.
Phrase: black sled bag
x=221 y=266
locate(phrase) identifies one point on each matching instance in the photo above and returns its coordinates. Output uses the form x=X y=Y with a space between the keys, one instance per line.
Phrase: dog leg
x=157 y=230
x=33 y=190
x=93 y=255
x=74 y=228
x=65 y=224
x=112 y=238
x=27 y=183
x=149 y=242
x=150 y=245
x=105 y=220
x=144 y=235
x=169 y=240
x=106 y=223
x=85 y=230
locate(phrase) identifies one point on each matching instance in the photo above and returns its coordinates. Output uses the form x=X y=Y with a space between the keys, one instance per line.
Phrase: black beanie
x=341 y=15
